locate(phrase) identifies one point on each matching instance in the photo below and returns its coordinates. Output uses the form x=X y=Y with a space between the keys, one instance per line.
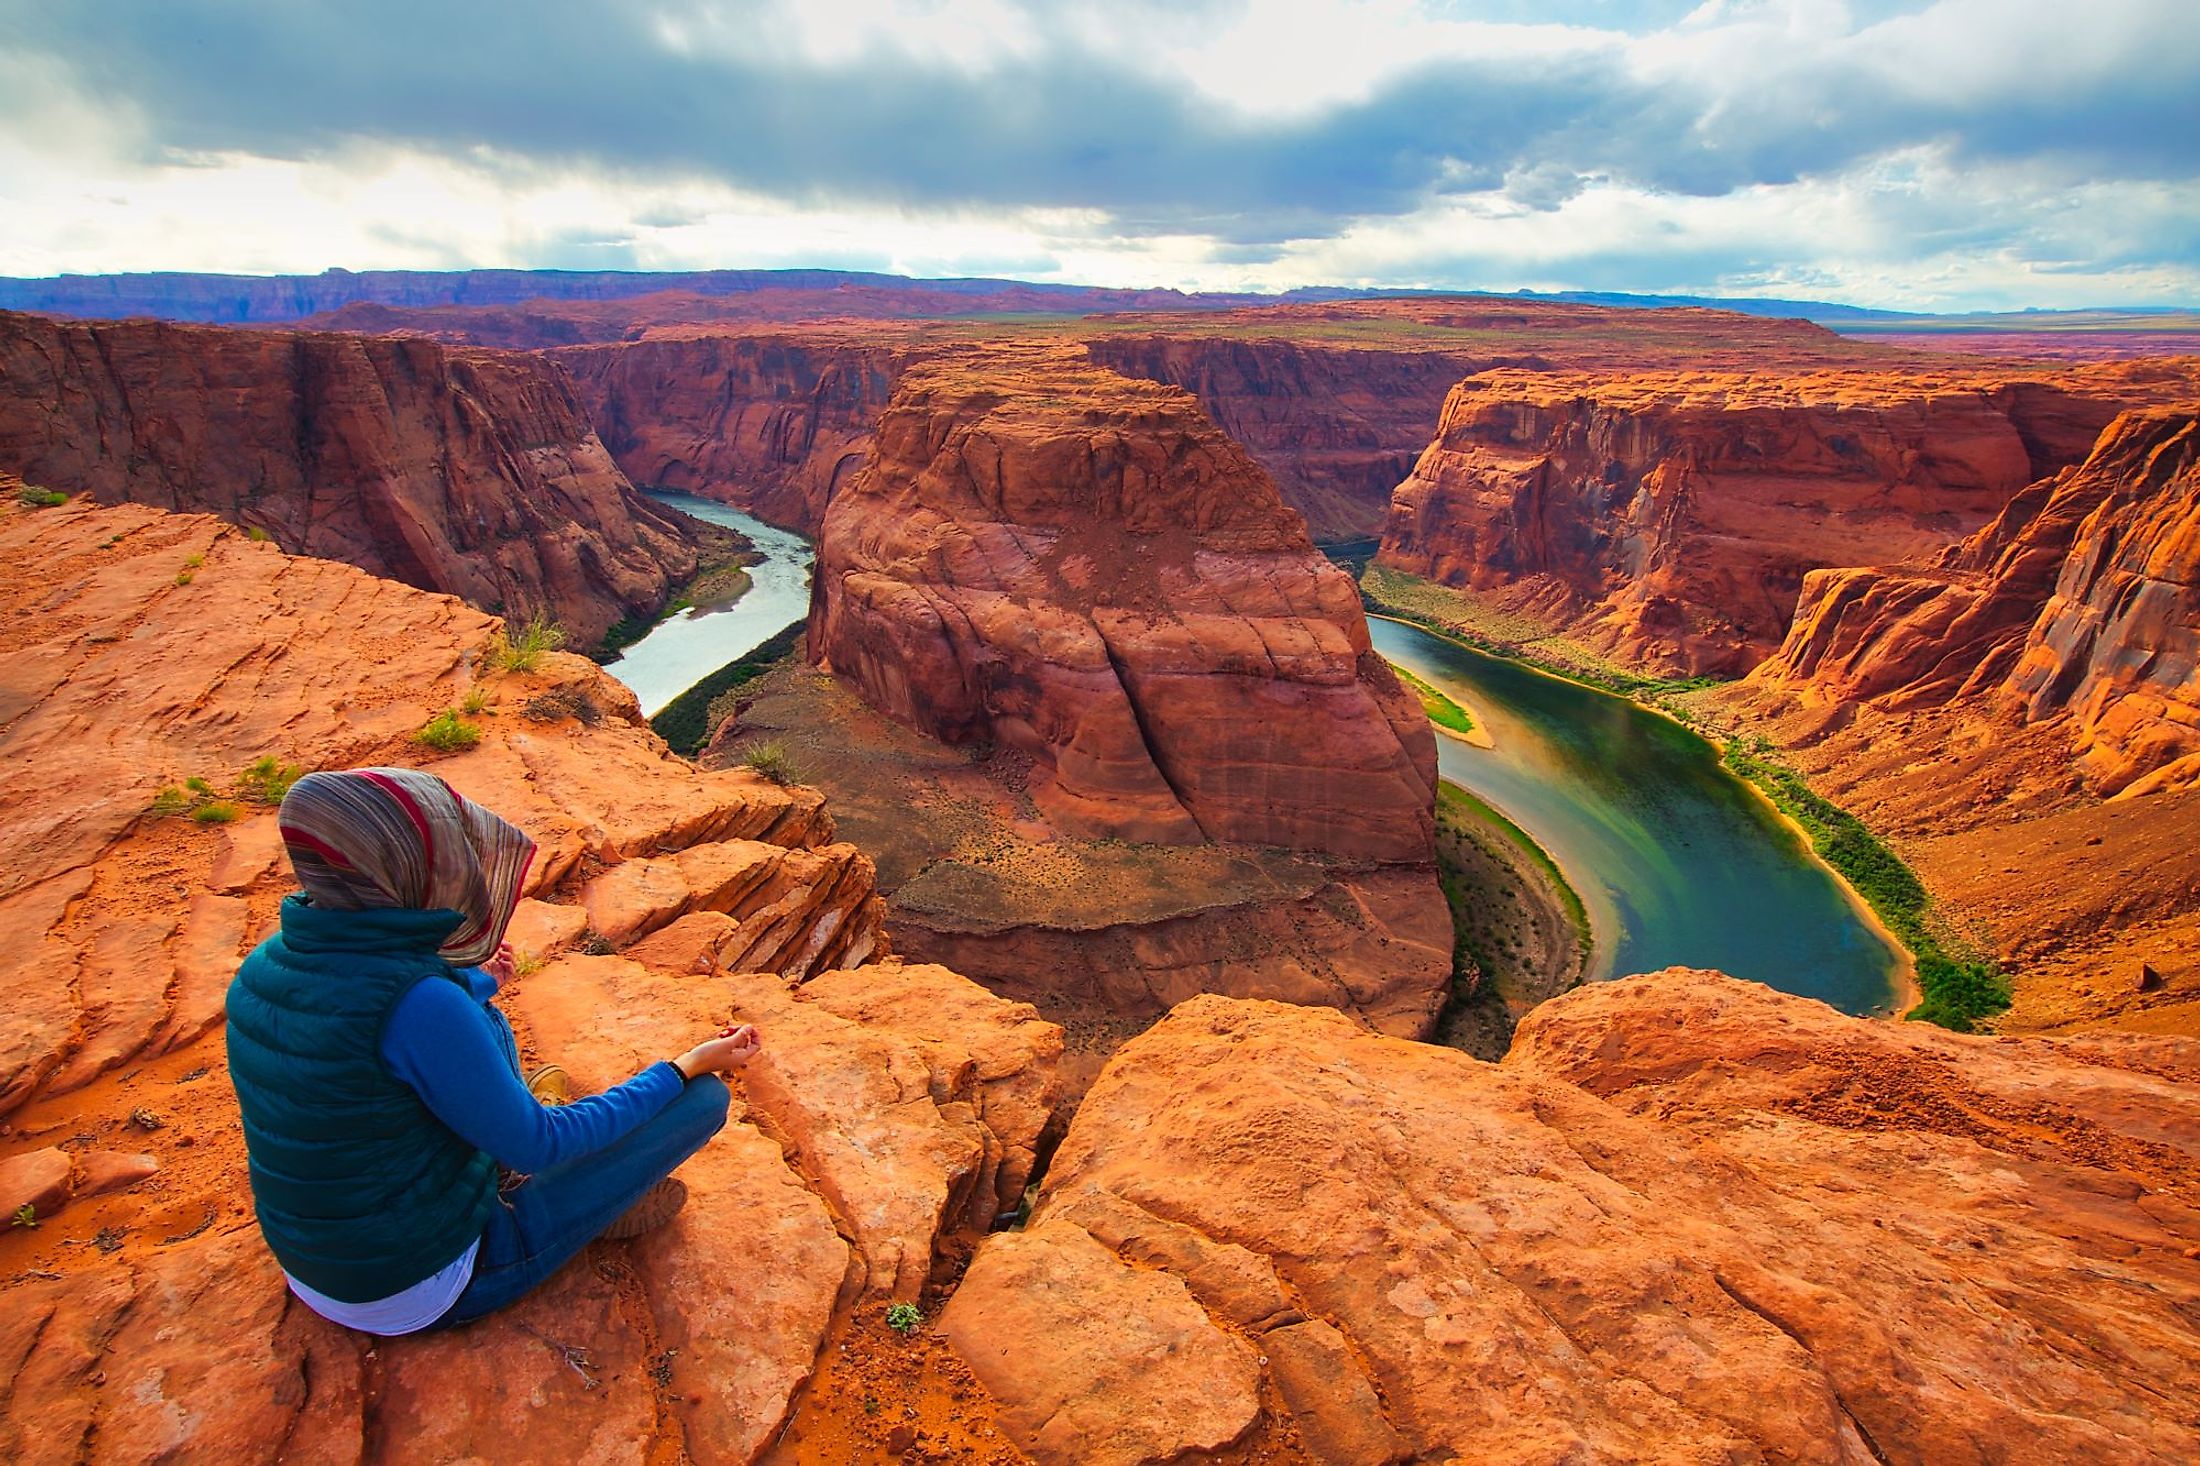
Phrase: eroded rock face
x=146 y=649
x=897 y=1111
x=769 y=424
x=2077 y=602
x=1670 y=518
x=1687 y=1219
x=470 y=472
x=1081 y=567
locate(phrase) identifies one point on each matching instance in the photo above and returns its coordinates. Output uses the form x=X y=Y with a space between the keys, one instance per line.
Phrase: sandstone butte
x=899 y=1110
x=1669 y=518
x=1081 y=566
x=1687 y=1219
x=474 y=473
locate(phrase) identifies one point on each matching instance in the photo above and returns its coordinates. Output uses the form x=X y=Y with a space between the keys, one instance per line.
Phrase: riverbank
x=1445 y=713
x=1520 y=931
x=1932 y=983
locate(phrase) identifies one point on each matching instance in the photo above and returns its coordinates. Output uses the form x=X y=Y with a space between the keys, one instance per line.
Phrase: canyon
x=1083 y=878
x=469 y=472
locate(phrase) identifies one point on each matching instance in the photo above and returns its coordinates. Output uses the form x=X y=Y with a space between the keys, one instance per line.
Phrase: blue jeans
x=553 y=1214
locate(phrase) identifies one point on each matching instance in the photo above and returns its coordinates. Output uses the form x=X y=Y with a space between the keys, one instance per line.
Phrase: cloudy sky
x=1932 y=154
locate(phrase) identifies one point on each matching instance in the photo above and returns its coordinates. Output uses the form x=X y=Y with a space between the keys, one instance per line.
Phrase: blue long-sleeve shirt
x=459 y=1056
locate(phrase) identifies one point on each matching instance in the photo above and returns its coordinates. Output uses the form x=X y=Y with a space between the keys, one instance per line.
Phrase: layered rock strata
x=769 y=424
x=897 y=1111
x=1686 y=1219
x=2080 y=602
x=1081 y=567
x=474 y=473
x=1669 y=518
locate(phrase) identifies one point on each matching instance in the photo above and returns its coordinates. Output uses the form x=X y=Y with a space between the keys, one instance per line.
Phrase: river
x=684 y=648
x=1677 y=861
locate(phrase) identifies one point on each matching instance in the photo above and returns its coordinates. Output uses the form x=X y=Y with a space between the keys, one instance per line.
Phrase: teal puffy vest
x=362 y=1192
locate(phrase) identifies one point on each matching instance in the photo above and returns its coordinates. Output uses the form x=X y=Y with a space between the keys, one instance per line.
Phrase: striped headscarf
x=399 y=837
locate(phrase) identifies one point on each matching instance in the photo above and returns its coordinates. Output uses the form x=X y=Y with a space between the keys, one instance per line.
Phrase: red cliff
x=1670 y=518
x=1082 y=567
x=766 y=423
x=469 y=472
x=2081 y=598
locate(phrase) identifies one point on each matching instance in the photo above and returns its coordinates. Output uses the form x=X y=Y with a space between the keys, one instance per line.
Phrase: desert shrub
x=770 y=760
x=183 y=577
x=476 y=700
x=447 y=732
x=215 y=812
x=267 y=779
x=568 y=701
x=169 y=801
x=521 y=650
x=33 y=497
x=903 y=1318
x=257 y=535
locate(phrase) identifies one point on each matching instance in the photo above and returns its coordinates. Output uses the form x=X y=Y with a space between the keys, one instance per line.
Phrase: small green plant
x=199 y=786
x=183 y=577
x=267 y=779
x=193 y=562
x=26 y=1215
x=447 y=732
x=257 y=535
x=215 y=812
x=168 y=802
x=526 y=963
x=903 y=1318
x=770 y=760
x=476 y=701
x=33 y=497
x=520 y=651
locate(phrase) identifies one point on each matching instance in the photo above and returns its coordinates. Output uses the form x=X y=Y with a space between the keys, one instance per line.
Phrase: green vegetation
x=267 y=779
x=1959 y=988
x=215 y=812
x=525 y=963
x=26 y=1215
x=30 y=496
x=168 y=802
x=903 y=1318
x=257 y=535
x=520 y=651
x=1442 y=711
x=193 y=562
x=685 y=722
x=475 y=702
x=183 y=577
x=447 y=732
x=1453 y=799
x=1437 y=609
x=770 y=760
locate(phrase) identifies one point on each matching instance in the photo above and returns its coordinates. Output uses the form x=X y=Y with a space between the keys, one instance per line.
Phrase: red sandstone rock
x=1687 y=1219
x=1081 y=567
x=1670 y=519
x=38 y=1179
x=2077 y=601
x=118 y=681
x=769 y=424
x=469 y=472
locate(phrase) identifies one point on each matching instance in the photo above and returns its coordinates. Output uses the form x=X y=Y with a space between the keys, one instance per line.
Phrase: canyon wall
x=1080 y=566
x=2081 y=598
x=1337 y=428
x=469 y=472
x=1687 y=1219
x=1668 y=519
x=768 y=424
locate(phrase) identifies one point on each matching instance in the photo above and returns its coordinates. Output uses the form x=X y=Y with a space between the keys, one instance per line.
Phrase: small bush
x=169 y=801
x=193 y=562
x=476 y=701
x=903 y=1318
x=568 y=701
x=520 y=651
x=183 y=577
x=199 y=787
x=770 y=760
x=447 y=732
x=257 y=535
x=268 y=779
x=215 y=812
x=33 y=497
x=26 y=1215
x=596 y=944
x=525 y=964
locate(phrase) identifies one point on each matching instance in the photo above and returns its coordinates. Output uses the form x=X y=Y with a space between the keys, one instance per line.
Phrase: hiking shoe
x=659 y=1204
x=550 y=1085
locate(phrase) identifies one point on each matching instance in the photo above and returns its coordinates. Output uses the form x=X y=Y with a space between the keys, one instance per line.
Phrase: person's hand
x=736 y=1044
x=504 y=966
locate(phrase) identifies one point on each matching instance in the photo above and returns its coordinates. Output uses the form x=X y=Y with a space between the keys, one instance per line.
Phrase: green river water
x=1676 y=859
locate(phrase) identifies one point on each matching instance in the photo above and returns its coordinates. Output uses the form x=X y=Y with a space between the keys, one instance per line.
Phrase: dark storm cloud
x=560 y=83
